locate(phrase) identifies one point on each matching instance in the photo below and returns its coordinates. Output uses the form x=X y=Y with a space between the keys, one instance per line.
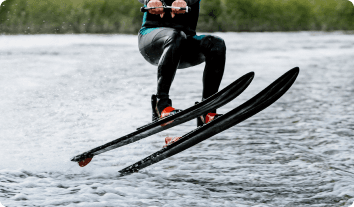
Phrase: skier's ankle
x=162 y=104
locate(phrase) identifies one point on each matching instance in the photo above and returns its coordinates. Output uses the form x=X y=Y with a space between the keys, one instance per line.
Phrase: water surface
x=65 y=94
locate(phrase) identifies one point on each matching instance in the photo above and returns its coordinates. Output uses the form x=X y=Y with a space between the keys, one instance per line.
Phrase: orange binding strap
x=209 y=117
x=170 y=140
x=165 y=113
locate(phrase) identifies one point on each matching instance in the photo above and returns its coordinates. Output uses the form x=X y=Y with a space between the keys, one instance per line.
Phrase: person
x=169 y=41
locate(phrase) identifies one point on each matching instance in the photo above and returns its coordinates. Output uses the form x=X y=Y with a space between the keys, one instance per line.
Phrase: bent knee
x=214 y=44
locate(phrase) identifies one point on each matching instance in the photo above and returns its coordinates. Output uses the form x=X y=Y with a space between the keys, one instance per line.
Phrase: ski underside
x=254 y=105
x=215 y=101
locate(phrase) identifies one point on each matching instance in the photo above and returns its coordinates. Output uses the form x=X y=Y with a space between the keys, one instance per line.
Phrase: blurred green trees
x=123 y=16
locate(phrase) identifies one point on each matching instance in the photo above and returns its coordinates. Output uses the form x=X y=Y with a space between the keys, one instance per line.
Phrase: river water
x=65 y=94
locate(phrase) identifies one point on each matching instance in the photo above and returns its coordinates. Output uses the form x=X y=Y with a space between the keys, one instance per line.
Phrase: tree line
x=124 y=16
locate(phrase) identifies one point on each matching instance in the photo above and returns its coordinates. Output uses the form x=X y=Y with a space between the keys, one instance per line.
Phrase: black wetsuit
x=172 y=43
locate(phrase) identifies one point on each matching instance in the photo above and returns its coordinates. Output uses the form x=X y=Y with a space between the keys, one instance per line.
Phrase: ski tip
x=296 y=70
x=85 y=162
x=249 y=75
x=292 y=73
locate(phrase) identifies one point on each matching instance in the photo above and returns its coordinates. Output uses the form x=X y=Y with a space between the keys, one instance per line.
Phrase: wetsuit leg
x=171 y=49
x=164 y=47
x=212 y=50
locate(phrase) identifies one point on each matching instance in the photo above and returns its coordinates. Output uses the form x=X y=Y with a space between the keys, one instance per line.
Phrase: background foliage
x=123 y=16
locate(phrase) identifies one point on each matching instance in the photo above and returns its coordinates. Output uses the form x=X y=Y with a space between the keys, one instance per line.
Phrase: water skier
x=169 y=41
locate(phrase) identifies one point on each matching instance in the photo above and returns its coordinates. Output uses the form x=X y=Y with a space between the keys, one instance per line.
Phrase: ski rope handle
x=145 y=9
x=165 y=7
